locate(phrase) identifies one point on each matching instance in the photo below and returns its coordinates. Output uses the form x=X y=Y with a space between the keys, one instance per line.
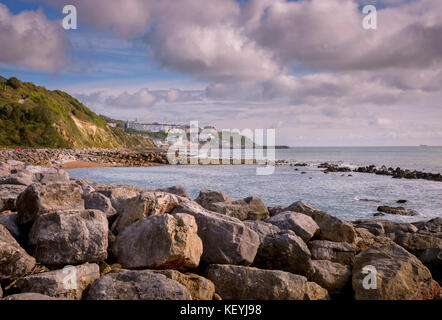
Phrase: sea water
x=347 y=197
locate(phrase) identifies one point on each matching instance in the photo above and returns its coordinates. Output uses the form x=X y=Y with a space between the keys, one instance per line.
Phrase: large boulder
x=14 y=261
x=10 y=222
x=262 y=229
x=70 y=282
x=330 y=228
x=226 y=240
x=426 y=247
x=247 y=283
x=145 y=204
x=176 y=190
x=399 y=275
x=303 y=225
x=330 y=275
x=207 y=197
x=284 y=251
x=45 y=175
x=8 y=196
x=69 y=237
x=22 y=177
x=340 y=252
x=137 y=285
x=251 y=208
x=117 y=194
x=98 y=201
x=38 y=199
x=199 y=287
x=160 y=242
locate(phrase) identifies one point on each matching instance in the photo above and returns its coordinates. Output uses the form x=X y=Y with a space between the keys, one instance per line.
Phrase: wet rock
x=70 y=282
x=284 y=251
x=38 y=199
x=381 y=227
x=247 y=283
x=14 y=261
x=331 y=276
x=145 y=204
x=69 y=237
x=330 y=228
x=339 y=252
x=137 y=285
x=399 y=275
x=398 y=210
x=160 y=242
x=225 y=239
x=199 y=287
x=303 y=225
x=401 y=201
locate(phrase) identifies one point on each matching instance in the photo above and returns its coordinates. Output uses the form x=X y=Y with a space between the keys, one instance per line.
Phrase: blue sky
x=307 y=68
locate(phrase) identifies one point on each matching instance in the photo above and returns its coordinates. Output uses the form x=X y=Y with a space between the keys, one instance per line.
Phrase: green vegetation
x=34 y=117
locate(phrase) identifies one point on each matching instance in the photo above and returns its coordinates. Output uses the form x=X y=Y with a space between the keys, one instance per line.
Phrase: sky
x=306 y=68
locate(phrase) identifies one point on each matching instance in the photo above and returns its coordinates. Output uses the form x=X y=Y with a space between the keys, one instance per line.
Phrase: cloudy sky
x=307 y=68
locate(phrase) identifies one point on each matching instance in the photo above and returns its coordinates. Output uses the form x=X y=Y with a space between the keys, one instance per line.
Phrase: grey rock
x=10 y=222
x=262 y=229
x=398 y=211
x=340 y=252
x=39 y=199
x=330 y=228
x=69 y=237
x=14 y=261
x=225 y=239
x=284 y=251
x=145 y=204
x=160 y=242
x=303 y=225
x=8 y=196
x=247 y=283
x=330 y=275
x=399 y=275
x=176 y=190
x=137 y=285
x=70 y=282
x=207 y=197
x=98 y=201
x=274 y=210
x=199 y=287
x=22 y=177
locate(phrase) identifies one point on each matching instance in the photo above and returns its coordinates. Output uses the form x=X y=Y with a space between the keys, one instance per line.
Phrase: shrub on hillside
x=13 y=82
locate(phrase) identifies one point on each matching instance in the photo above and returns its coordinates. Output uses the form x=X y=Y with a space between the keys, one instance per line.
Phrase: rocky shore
x=63 y=238
x=58 y=157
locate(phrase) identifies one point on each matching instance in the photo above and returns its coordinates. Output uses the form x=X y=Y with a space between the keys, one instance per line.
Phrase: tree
x=14 y=83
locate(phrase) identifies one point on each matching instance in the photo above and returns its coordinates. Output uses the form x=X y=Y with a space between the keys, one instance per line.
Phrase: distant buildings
x=158 y=127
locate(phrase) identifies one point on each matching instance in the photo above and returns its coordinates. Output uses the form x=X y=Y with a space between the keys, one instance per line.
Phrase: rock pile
x=62 y=238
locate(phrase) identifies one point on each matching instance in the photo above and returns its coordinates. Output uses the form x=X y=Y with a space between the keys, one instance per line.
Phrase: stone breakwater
x=116 y=157
x=63 y=238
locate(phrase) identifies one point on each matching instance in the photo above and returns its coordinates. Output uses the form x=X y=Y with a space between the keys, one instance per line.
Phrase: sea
x=349 y=196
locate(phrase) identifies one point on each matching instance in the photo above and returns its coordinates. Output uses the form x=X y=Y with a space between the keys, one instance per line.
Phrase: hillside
x=34 y=117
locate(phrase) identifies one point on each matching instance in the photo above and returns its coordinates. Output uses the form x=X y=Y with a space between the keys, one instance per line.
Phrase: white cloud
x=28 y=39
